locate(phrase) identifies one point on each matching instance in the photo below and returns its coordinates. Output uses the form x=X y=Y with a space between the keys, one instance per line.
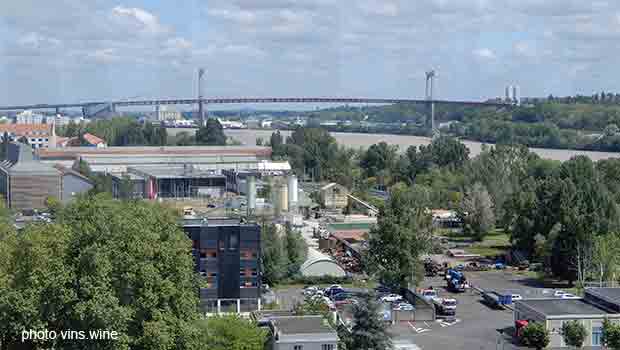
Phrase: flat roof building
x=597 y=305
x=302 y=332
x=227 y=256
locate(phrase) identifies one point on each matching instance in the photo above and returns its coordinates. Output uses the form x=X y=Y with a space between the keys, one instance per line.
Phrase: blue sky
x=77 y=50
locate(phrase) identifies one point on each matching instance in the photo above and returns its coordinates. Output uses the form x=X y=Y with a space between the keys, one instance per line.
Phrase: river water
x=357 y=140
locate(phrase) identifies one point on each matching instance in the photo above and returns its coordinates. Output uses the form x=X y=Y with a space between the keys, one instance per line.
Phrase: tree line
x=111 y=265
x=127 y=131
x=563 y=215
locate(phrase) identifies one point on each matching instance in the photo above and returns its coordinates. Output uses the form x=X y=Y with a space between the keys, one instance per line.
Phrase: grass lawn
x=495 y=243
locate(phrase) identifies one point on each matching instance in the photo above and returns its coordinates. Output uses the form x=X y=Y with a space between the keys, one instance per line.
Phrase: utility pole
x=201 y=73
x=430 y=79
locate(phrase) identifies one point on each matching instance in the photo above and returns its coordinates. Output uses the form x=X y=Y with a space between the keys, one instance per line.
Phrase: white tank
x=292 y=191
x=509 y=93
x=516 y=98
x=284 y=197
x=251 y=192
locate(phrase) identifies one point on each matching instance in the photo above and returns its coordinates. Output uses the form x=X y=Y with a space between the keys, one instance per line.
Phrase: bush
x=574 y=333
x=535 y=335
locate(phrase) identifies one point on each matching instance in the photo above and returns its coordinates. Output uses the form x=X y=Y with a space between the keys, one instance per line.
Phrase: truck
x=457 y=282
x=497 y=300
x=444 y=306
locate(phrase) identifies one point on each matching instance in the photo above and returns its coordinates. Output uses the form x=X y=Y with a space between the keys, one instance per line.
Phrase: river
x=357 y=140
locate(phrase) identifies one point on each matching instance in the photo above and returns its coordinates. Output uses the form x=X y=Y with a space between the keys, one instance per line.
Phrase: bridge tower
x=201 y=116
x=430 y=80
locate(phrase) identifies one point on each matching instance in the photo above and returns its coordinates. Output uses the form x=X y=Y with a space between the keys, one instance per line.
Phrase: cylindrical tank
x=251 y=188
x=509 y=93
x=284 y=197
x=292 y=192
x=516 y=98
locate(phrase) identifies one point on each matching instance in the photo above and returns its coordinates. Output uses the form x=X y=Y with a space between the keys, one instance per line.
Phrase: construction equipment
x=497 y=300
x=457 y=283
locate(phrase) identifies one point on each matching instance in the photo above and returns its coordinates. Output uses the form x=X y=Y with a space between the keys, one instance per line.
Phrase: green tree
x=574 y=333
x=606 y=256
x=611 y=334
x=71 y=130
x=53 y=205
x=231 y=333
x=535 y=335
x=380 y=158
x=125 y=188
x=369 y=331
x=23 y=140
x=477 y=211
x=4 y=147
x=274 y=257
x=105 y=265
x=296 y=249
x=401 y=236
x=277 y=145
x=212 y=134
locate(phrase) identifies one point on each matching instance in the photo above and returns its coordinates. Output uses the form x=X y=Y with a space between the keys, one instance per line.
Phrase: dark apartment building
x=227 y=255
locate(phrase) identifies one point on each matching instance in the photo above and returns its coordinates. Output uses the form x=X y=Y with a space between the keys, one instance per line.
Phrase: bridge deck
x=250 y=100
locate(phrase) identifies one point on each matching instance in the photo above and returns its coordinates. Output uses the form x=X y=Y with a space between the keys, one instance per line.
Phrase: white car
x=558 y=293
x=429 y=294
x=391 y=298
x=308 y=291
x=516 y=297
x=569 y=296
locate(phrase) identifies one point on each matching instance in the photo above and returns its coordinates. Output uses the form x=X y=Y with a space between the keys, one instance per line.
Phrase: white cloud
x=485 y=53
x=139 y=19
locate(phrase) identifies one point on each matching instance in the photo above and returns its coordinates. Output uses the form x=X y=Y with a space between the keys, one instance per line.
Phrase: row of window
x=248 y=272
x=212 y=254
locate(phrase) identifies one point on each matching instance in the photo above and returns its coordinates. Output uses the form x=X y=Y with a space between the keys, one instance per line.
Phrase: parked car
x=429 y=294
x=403 y=307
x=341 y=296
x=309 y=291
x=391 y=298
x=333 y=290
x=516 y=297
x=558 y=293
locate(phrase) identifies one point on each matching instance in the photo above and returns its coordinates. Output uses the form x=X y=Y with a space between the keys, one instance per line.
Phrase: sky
x=84 y=50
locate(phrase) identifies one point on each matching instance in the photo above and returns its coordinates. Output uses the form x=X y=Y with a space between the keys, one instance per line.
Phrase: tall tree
x=274 y=257
x=211 y=134
x=402 y=234
x=477 y=211
x=611 y=334
x=369 y=331
x=4 y=147
x=379 y=159
x=296 y=249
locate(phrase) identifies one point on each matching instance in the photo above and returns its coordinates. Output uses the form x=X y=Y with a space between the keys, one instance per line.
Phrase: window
x=234 y=241
x=298 y=347
x=597 y=334
x=327 y=347
x=254 y=272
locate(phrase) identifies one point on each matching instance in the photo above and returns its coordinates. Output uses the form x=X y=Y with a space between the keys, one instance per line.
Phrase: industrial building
x=318 y=264
x=26 y=183
x=597 y=305
x=115 y=160
x=333 y=196
x=227 y=256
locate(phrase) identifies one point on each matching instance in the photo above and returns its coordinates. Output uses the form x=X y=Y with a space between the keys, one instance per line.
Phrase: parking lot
x=475 y=325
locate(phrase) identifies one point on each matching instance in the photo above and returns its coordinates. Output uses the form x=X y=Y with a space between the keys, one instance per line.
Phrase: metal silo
x=292 y=192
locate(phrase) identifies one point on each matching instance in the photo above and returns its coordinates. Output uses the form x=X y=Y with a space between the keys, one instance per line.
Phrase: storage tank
x=516 y=98
x=284 y=197
x=292 y=192
x=251 y=192
x=508 y=93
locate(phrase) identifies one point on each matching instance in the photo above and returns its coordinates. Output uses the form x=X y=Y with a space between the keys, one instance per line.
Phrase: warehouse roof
x=176 y=172
x=562 y=307
x=73 y=152
x=301 y=325
x=22 y=162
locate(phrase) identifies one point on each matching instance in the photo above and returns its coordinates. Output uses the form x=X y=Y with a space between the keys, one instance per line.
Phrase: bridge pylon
x=430 y=80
